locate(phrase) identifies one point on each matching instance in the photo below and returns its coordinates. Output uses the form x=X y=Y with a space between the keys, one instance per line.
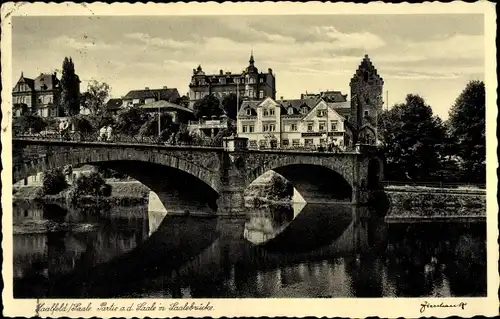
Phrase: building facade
x=326 y=119
x=251 y=84
x=40 y=96
x=302 y=123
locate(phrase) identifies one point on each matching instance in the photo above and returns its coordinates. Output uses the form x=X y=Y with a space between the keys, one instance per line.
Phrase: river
x=308 y=250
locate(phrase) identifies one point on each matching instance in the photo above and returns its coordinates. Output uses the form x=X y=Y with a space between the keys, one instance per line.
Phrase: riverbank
x=122 y=193
x=429 y=204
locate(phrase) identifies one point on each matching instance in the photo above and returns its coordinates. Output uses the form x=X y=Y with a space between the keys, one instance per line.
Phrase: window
x=293 y=127
x=264 y=112
x=261 y=80
x=244 y=128
x=261 y=94
x=271 y=111
x=308 y=141
x=366 y=113
x=290 y=110
x=304 y=110
x=295 y=142
x=309 y=127
x=250 y=128
x=249 y=112
x=251 y=80
x=286 y=142
x=322 y=126
x=269 y=127
x=321 y=113
x=333 y=125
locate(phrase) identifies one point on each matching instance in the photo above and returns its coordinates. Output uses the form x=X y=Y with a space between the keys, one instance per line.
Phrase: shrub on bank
x=91 y=184
x=53 y=182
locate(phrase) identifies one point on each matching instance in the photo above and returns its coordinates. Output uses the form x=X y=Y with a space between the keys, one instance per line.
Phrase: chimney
x=281 y=98
x=146 y=88
x=221 y=72
x=165 y=88
x=270 y=71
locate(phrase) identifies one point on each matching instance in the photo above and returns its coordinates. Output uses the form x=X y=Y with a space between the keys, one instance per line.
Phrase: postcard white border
x=342 y=307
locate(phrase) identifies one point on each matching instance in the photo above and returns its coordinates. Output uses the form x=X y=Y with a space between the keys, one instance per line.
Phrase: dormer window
x=290 y=110
x=249 y=112
x=304 y=110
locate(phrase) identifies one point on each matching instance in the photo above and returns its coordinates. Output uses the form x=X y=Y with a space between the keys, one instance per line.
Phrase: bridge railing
x=301 y=148
x=115 y=139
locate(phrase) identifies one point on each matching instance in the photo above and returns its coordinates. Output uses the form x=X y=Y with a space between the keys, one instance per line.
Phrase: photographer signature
x=426 y=305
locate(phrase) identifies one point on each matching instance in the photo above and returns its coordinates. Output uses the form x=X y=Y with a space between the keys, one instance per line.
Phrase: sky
x=430 y=55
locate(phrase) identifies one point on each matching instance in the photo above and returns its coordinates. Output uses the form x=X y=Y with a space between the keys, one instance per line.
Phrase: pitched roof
x=166 y=94
x=30 y=82
x=114 y=104
x=165 y=104
x=296 y=105
x=252 y=105
x=46 y=82
x=334 y=96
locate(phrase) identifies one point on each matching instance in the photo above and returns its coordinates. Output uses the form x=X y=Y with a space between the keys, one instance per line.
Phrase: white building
x=307 y=123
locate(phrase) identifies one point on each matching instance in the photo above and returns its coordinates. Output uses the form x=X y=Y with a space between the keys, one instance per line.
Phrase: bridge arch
x=183 y=182
x=317 y=178
x=208 y=174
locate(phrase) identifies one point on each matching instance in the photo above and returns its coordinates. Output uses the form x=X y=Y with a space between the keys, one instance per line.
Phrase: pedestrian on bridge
x=102 y=133
x=109 y=132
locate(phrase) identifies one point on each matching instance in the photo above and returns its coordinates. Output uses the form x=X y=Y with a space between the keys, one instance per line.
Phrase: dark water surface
x=300 y=251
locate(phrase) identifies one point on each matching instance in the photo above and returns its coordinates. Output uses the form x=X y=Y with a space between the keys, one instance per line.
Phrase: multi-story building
x=141 y=97
x=251 y=84
x=326 y=119
x=41 y=96
x=293 y=123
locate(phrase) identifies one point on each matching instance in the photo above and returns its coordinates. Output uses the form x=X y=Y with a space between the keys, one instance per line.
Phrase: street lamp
x=159 y=114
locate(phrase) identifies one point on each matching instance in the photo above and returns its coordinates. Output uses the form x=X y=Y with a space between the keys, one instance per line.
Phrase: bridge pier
x=233 y=183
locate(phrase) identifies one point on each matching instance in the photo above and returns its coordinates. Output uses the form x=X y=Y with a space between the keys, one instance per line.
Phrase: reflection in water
x=308 y=251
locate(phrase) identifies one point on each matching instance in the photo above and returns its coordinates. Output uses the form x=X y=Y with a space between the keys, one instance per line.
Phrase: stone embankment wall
x=409 y=202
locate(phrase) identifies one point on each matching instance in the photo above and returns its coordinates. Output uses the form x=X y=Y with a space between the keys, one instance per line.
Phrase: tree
x=90 y=184
x=208 y=106
x=130 y=121
x=150 y=128
x=412 y=140
x=467 y=128
x=70 y=95
x=230 y=105
x=95 y=97
x=82 y=124
x=53 y=182
x=28 y=124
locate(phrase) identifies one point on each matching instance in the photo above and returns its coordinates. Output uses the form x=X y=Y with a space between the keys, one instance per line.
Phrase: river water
x=300 y=251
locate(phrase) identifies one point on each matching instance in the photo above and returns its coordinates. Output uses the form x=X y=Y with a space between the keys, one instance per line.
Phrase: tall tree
x=208 y=106
x=95 y=97
x=412 y=140
x=467 y=127
x=230 y=105
x=70 y=85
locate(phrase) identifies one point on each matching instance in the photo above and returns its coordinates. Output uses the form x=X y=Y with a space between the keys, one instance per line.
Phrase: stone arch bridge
x=210 y=178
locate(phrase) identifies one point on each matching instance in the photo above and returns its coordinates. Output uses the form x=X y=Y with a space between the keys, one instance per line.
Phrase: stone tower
x=366 y=101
